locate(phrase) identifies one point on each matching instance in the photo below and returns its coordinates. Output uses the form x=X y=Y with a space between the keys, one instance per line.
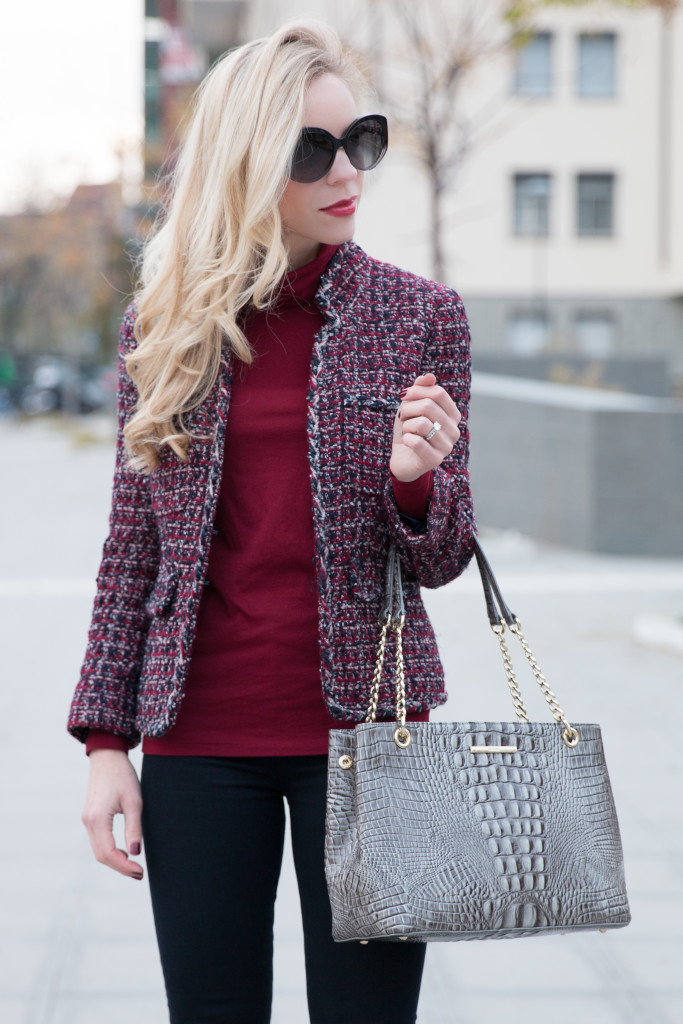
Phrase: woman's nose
x=342 y=169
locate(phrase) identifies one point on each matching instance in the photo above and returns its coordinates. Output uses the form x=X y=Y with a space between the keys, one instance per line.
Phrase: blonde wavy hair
x=219 y=249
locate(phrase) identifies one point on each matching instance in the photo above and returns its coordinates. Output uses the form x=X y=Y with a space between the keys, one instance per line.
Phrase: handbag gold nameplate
x=493 y=750
x=502 y=820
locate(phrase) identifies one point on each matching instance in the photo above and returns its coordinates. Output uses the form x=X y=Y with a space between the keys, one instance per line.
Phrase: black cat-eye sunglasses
x=364 y=142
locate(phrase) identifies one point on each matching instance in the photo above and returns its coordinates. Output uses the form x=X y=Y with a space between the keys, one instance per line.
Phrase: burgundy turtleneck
x=253 y=687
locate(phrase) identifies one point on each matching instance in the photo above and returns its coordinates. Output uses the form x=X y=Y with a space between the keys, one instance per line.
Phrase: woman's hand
x=113 y=788
x=425 y=429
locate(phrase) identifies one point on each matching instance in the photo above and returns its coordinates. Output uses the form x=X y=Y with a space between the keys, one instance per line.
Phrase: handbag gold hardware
x=515 y=785
x=402 y=736
x=377 y=677
x=570 y=735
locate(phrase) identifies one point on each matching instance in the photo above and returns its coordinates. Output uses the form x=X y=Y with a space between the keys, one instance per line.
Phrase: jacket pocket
x=160 y=601
x=366 y=438
x=370 y=400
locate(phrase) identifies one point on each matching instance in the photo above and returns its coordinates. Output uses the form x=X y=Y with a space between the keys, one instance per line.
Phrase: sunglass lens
x=367 y=143
x=312 y=157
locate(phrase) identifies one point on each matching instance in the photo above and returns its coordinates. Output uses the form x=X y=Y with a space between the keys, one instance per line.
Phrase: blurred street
x=77 y=943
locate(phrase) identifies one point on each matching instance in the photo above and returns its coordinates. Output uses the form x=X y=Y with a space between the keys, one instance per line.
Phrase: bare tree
x=421 y=58
x=420 y=70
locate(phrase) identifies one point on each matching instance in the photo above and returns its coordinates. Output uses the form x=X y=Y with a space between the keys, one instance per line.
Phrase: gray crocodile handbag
x=471 y=830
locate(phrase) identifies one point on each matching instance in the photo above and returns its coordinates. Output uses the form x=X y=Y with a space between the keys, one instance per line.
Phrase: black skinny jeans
x=214 y=829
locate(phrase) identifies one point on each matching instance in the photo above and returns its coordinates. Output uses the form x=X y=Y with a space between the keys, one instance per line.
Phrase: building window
x=595 y=204
x=531 y=204
x=527 y=332
x=533 y=70
x=596 y=333
x=597 y=64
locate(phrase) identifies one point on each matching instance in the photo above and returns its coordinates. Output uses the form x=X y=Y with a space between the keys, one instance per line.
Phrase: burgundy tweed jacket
x=383 y=326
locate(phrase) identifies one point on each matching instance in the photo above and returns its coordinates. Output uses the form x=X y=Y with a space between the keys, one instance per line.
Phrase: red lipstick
x=344 y=208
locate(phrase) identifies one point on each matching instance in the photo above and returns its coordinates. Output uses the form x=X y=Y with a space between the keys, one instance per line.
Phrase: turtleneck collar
x=302 y=283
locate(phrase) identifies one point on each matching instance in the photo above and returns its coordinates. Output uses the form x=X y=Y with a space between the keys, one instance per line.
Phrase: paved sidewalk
x=77 y=945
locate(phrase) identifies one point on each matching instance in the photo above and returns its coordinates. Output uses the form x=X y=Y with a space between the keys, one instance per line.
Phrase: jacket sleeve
x=105 y=698
x=442 y=548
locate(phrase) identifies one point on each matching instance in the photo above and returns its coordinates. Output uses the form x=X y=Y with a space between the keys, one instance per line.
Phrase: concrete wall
x=589 y=469
x=638 y=375
x=644 y=325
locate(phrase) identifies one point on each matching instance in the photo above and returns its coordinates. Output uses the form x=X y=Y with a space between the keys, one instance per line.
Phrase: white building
x=575 y=242
x=565 y=230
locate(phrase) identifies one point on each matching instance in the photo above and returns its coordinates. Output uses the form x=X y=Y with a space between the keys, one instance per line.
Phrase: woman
x=287 y=408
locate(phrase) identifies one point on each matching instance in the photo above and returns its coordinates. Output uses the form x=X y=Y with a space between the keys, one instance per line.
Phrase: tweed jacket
x=382 y=327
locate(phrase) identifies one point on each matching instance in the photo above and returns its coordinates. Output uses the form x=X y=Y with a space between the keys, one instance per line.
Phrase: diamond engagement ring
x=435 y=429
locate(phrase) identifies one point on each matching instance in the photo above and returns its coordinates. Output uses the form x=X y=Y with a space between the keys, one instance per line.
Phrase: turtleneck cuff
x=412 y=497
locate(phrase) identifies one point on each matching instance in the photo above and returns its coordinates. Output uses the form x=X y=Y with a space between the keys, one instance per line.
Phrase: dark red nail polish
x=135 y=849
x=138 y=878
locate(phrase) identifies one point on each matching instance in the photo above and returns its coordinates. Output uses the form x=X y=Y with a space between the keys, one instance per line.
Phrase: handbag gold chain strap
x=396 y=623
x=401 y=734
x=377 y=677
x=570 y=734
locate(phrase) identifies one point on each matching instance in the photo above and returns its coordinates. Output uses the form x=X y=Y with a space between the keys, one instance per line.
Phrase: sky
x=71 y=75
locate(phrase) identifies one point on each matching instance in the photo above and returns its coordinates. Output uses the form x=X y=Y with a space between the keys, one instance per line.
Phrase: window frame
x=582 y=177
x=601 y=315
x=547 y=89
x=580 y=85
x=517 y=228
x=541 y=316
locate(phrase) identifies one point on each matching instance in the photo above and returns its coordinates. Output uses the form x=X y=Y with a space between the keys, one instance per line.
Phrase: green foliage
x=520 y=13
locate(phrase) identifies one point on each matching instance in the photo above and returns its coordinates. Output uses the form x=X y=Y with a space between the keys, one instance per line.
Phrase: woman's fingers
x=105 y=849
x=427 y=412
x=421 y=399
x=425 y=430
x=427 y=379
x=113 y=788
x=132 y=814
x=442 y=437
